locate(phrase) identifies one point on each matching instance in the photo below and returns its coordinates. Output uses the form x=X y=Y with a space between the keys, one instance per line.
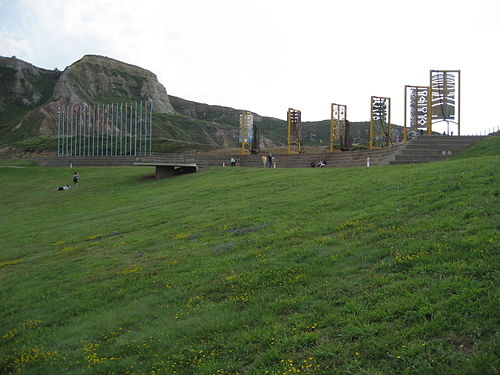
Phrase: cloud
x=268 y=55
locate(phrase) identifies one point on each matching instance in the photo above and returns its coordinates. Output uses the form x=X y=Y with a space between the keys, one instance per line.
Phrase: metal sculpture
x=105 y=129
x=339 y=128
x=417 y=119
x=246 y=132
x=445 y=94
x=380 y=122
x=294 y=139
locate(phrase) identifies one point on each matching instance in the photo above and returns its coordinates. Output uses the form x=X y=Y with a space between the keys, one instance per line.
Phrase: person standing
x=76 y=177
x=264 y=161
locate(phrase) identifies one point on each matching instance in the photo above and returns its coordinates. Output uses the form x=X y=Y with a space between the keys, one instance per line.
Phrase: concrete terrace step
x=337 y=159
x=425 y=149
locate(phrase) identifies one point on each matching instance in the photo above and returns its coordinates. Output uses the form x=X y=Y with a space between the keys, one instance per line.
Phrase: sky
x=270 y=55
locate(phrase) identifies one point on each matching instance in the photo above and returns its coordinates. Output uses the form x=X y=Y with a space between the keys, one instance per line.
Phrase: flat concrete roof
x=153 y=164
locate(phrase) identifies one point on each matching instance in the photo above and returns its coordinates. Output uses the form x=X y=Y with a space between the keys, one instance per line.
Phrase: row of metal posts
x=105 y=129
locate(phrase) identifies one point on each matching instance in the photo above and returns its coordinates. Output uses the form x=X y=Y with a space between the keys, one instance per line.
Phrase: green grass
x=488 y=146
x=385 y=270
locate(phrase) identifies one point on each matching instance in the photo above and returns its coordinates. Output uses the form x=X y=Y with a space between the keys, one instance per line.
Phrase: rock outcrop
x=98 y=78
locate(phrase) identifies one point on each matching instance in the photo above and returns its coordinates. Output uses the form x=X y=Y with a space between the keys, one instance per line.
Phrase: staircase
x=430 y=148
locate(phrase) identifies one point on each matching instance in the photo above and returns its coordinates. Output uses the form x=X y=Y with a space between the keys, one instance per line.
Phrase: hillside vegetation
x=384 y=270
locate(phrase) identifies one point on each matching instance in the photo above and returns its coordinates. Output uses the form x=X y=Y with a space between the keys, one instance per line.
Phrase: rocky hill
x=30 y=97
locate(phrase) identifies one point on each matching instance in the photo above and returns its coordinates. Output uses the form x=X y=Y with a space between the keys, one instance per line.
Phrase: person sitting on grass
x=61 y=188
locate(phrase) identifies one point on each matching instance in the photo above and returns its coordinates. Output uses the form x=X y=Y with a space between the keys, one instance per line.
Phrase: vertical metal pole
x=140 y=129
x=145 y=127
x=289 y=125
x=72 y=127
x=242 y=131
x=66 y=135
x=112 y=128
x=125 y=129
x=429 y=132
x=107 y=128
x=429 y=111
x=103 y=115
x=61 y=151
x=75 y=114
x=332 y=127
x=389 y=126
x=120 y=112
x=94 y=130
x=151 y=127
x=84 y=128
x=98 y=129
x=58 y=128
x=67 y=130
x=69 y=126
x=85 y=132
x=121 y=128
x=131 y=127
x=371 y=123
x=405 y=129
x=80 y=131
x=76 y=130
x=115 y=128
x=101 y=128
x=89 y=120
x=135 y=131
x=347 y=131
x=458 y=102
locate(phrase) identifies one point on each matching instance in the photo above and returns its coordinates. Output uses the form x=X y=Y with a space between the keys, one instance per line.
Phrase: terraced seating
x=431 y=148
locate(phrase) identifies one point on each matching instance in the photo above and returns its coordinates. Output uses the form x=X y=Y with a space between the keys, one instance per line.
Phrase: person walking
x=76 y=177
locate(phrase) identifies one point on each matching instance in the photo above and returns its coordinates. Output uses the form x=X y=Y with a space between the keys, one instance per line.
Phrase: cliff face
x=102 y=79
x=24 y=90
x=30 y=96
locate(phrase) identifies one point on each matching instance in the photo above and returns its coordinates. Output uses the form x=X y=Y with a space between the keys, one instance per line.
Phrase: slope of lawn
x=488 y=146
x=385 y=270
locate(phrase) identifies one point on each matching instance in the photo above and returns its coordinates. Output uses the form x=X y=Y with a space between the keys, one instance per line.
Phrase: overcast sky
x=269 y=55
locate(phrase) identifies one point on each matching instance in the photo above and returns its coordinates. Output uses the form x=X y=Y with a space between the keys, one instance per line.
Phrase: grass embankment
x=390 y=270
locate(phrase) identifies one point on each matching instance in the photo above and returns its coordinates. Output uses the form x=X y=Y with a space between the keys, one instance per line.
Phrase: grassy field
x=385 y=270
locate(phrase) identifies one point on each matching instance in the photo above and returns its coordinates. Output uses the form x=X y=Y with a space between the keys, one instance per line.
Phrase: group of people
x=235 y=161
x=318 y=164
x=268 y=161
x=76 y=178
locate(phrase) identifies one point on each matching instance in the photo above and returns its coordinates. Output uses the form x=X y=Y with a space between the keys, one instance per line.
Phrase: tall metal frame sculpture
x=417 y=118
x=338 y=126
x=105 y=129
x=255 y=146
x=445 y=93
x=246 y=132
x=294 y=138
x=380 y=122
